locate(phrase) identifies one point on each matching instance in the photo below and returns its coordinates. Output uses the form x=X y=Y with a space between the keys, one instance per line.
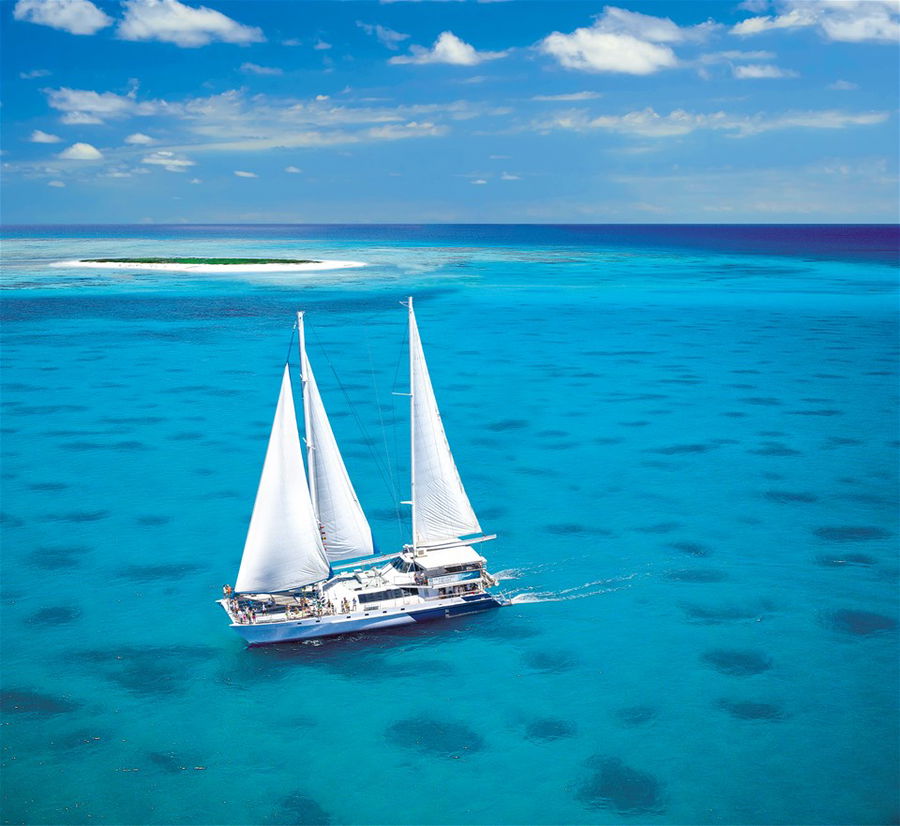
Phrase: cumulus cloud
x=449 y=49
x=762 y=70
x=321 y=46
x=172 y=22
x=293 y=170
x=648 y=123
x=139 y=139
x=256 y=69
x=57 y=184
x=37 y=136
x=73 y=16
x=81 y=152
x=168 y=161
x=241 y=174
x=622 y=41
x=848 y=21
x=387 y=37
x=34 y=73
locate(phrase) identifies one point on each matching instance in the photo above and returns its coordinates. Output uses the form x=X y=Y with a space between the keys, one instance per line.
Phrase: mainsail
x=345 y=530
x=283 y=548
x=441 y=509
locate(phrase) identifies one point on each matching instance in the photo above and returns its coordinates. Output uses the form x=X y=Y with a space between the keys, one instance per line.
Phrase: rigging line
x=287 y=358
x=387 y=455
x=359 y=423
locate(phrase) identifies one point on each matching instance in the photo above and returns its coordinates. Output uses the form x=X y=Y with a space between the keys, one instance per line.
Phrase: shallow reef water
x=685 y=438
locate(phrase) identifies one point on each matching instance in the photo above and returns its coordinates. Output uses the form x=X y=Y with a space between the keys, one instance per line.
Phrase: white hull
x=267 y=633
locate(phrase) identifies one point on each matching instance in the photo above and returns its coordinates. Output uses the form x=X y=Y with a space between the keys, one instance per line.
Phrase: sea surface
x=685 y=437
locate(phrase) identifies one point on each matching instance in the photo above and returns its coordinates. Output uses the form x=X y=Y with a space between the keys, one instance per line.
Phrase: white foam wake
x=586 y=589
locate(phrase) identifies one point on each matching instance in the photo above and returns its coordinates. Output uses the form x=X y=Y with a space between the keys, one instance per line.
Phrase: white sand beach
x=313 y=266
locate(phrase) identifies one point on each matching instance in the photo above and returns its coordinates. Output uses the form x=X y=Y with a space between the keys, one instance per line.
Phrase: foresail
x=283 y=548
x=346 y=532
x=441 y=508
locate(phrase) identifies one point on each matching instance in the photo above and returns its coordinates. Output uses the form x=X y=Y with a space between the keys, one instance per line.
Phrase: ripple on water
x=78 y=516
x=636 y=715
x=298 y=810
x=843 y=560
x=611 y=784
x=716 y=615
x=696 y=575
x=25 y=701
x=737 y=663
x=851 y=533
x=552 y=661
x=859 y=623
x=690 y=548
x=434 y=736
x=549 y=728
x=751 y=710
x=786 y=497
x=55 y=615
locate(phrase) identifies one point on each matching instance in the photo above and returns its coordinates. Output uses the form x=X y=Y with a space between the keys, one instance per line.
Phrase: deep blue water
x=686 y=437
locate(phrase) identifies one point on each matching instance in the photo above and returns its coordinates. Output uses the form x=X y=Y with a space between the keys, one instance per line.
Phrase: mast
x=412 y=424
x=310 y=447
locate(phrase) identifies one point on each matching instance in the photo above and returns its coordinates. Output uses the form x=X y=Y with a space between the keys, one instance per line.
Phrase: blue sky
x=292 y=111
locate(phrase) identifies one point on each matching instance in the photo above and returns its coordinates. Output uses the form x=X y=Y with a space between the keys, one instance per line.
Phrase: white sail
x=283 y=548
x=441 y=509
x=346 y=532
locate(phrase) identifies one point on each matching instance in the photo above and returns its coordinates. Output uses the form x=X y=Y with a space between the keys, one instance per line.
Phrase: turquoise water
x=686 y=440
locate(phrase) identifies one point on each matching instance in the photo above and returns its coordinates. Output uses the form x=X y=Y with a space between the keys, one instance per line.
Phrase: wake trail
x=586 y=589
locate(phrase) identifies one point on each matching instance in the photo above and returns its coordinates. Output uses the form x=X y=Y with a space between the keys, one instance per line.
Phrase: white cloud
x=293 y=170
x=848 y=21
x=241 y=174
x=73 y=16
x=449 y=49
x=35 y=73
x=570 y=96
x=195 y=181
x=623 y=41
x=478 y=181
x=321 y=46
x=57 y=184
x=733 y=54
x=37 y=136
x=413 y=129
x=387 y=37
x=648 y=123
x=256 y=69
x=172 y=22
x=79 y=119
x=81 y=152
x=761 y=70
x=87 y=106
x=139 y=139
x=506 y=176
x=291 y=41
x=168 y=161
x=843 y=86
x=320 y=98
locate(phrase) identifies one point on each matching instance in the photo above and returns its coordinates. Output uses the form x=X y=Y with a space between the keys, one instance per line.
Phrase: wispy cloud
x=172 y=22
x=648 y=123
x=73 y=16
x=449 y=49
x=256 y=69
x=242 y=174
x=387 y=37
x=848 y=21
x=569 y=96
x=35 y=73
x=168 y=161
x=843 y=86
x=762 y=70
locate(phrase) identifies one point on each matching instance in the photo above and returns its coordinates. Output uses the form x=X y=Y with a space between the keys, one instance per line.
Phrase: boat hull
x=270 y=633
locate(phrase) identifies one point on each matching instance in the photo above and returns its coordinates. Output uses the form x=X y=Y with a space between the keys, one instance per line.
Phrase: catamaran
x=309 y=567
